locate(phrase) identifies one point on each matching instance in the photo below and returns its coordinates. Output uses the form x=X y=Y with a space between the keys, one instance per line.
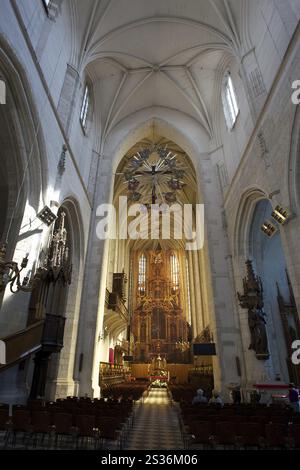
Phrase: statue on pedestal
x=252 y=300
x=257 y=326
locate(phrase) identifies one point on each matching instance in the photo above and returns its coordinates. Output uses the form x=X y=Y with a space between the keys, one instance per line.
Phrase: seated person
x=216 y=399
x=294 y=398
x=199 y=398
x=236 y=396
x=255 y=397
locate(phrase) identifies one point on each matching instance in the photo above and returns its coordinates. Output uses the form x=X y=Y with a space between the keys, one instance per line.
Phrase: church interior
x=149 y=224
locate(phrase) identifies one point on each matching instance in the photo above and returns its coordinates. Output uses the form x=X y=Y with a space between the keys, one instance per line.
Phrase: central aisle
x=156 y=425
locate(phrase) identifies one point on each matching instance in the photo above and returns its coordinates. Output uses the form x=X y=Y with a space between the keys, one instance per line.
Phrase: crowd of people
x=201 y=398
x=236 y=397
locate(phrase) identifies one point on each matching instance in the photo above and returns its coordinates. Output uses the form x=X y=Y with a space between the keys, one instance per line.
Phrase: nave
x=156 y=424
x=149 y=223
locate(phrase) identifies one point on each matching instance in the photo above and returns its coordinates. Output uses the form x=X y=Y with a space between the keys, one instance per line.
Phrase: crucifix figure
x=159 y=176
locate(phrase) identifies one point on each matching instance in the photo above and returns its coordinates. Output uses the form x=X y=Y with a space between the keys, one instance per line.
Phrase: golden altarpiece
x=159 y=321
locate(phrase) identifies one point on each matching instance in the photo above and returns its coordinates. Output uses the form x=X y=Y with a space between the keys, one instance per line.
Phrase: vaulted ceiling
x=157 y=53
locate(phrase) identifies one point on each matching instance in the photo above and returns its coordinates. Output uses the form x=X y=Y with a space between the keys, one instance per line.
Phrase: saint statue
x=257 y=326
x=252 y=299
x=157 y=258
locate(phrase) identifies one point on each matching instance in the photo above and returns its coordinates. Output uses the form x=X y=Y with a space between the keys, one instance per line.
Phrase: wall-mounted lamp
x=268 y=228
x=47 y=216
x=280 y=215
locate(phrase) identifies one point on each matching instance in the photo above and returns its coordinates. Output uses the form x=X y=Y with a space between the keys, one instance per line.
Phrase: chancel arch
x=163 y=301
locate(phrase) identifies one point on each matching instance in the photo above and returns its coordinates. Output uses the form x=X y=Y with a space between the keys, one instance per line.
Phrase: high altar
x=159 y=321
x=157 y=370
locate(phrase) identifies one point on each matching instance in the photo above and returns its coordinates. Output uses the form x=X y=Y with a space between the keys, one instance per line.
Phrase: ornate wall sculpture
x=159 y=323
x=252 y=300
x=55 y=274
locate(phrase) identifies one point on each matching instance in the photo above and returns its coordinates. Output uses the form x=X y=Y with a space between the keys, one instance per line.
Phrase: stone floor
x=156 y=425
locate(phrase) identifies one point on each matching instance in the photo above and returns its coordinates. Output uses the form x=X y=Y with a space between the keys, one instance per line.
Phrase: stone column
x=220 y=288
x=93 y=298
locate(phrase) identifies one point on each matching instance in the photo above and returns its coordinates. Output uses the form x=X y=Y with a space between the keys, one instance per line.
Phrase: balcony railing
x=46 y=334
x=22 y=343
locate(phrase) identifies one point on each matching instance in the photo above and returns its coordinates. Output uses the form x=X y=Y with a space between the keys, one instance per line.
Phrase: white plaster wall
x=267 y=171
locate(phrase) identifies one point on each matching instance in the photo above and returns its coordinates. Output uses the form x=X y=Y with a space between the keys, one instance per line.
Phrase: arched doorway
x=282 y=323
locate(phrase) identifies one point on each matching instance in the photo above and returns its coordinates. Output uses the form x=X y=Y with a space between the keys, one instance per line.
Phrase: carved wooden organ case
x=159 y=323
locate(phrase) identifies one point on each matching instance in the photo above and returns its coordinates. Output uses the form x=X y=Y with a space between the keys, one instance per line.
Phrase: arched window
x=143 y=332
x=230 y=104
x=174 y=271
x=158 y=324
x=85 y=107
x=142 y=273
x=189 y=313
x=47 y=5
x=46 y=2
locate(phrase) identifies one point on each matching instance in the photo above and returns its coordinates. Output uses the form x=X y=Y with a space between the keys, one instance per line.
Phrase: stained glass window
x=85 y=107
x=189 y=316
x=174 y=271
x=231 y=109
x=142 y=273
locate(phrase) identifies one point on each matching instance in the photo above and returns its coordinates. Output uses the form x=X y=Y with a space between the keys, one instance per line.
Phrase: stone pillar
x=220 y=288
x=93 y=298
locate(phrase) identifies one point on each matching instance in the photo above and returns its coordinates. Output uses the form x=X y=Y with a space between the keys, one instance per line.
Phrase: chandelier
x=56 y=265
x=154 y=176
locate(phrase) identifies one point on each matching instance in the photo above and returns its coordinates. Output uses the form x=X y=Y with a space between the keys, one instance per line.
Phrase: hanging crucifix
x=161 y=177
